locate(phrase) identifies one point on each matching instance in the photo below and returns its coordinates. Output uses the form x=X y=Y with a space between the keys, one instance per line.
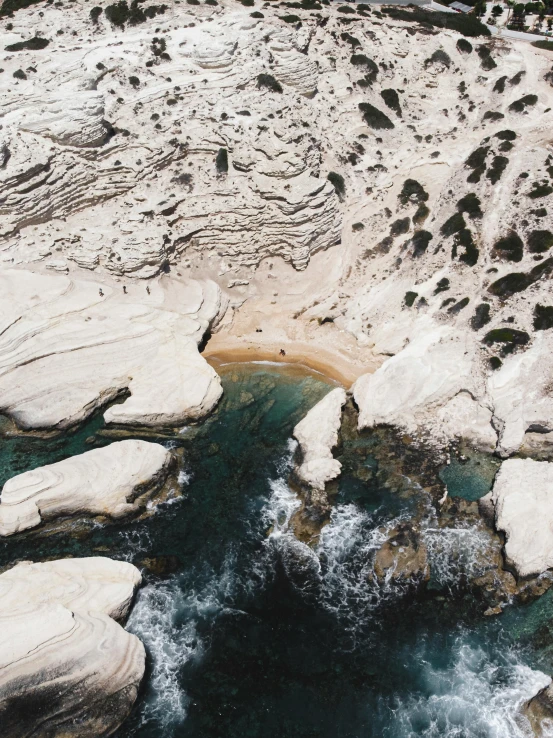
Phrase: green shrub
x=539 y=191
x=495 y=363
x=221 y=161
x=33 y=44
x=9 y=7
x=515 y=282
x=356 y=227
x=269 y=82
x=442 y=286
x=118 y=13
x=410 y=298
x=346 y=9
x=509 y=337
x=371 y=73
x=464 y=46
x=255 y=14
x=509 y=248
x=412 y=192
x=464 y=240
x=500 y=84
x=481 y=316
x=421 y=214
x=493 y=115
x=19 y=74
x=470 y=204
x=456 y=309
x=337 y=181
x=520 y=105
x=438 y=57
x=391 y=99
x=540 y=241
x=466 y=25
x=499 y=164
x=486 y=61
x=375 y=118
x=351 y=40
x=134 y=81
x=400 y=226
x=505 y=135
x=420 y=242
x=547 y=45
x=543 y=317
x=453 y=225
x=95 y=13
x=517 y=78
x=289 y=18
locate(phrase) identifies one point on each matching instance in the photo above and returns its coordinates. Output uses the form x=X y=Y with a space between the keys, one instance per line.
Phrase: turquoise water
x=250 y=633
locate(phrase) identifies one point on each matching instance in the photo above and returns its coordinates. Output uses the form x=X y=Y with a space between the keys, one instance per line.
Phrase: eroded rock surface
x=66 y=667
x=114 y=481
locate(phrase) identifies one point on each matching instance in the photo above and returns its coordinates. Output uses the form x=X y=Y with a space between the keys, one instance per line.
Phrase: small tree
x=497 y=10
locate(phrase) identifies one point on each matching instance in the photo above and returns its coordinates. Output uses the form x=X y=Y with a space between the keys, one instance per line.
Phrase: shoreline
x=224 y=349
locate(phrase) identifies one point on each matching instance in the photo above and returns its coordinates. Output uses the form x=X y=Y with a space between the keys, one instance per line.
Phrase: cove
x=249 y=632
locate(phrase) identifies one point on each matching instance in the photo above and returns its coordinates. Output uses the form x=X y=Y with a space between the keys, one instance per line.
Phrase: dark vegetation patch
x=505 y=146
x=510 y=338
x=456 y=309
x=438 y=57
x=370 y=67
x=505 y=135
x=337 y=181
x=520 y=105
x=95 y=13
x=547 y=45
x=517 y=78
x=509 y=248
x=375 y=118
x=400 y=226
x=421 y=214
x=453 y=225
x=268 y=82
x=497 y=168
x=493 y=115
x=481 y=316
x=466 y=25
x=464 y=240
x=442 y=285
x=486 y=61
x=346 y=9
x=33 y=44
x=500 y=84
x=495 y=363
x=515 y=282
x=477 y=162
x=221 y=161
x=9 y=7
x=464 y=46
x=351 y=40
x=19 y=74
x=356 y=227
x=391 y=99
x=540 y=190
x=543 y=317
x=539 y=241
x=420 y=242
x=289 y=18
x=121 y=13
x=410 y=298
x=412 y=192
x=134 y=81
x=470 y=204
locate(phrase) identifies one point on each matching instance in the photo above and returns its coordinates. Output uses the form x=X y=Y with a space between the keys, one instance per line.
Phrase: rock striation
x=114 y=481
x=66 y=667
x=69 y=346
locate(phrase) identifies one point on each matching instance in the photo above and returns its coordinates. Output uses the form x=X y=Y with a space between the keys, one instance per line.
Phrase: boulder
x=317 y=435
x=522 y=497
x=66 y=667
x=114 y=481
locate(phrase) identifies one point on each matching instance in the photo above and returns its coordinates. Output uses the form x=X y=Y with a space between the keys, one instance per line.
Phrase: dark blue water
x=251 y=633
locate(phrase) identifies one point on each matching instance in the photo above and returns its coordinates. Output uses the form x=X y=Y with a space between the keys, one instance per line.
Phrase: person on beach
x=282 y=352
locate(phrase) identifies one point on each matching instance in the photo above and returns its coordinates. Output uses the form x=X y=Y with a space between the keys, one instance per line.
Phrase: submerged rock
x=66 y=667
x=114 y=481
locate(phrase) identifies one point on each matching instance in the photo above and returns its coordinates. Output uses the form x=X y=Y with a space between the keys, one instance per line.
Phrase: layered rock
x=521 y=499
x=66 y=667
x=114 y=481
x=70 y=346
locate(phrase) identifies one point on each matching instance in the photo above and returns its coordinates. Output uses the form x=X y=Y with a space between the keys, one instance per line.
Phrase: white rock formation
x=317 y=435
x=66 y=667
x=66 y=349
x=114 y=481
x=522 y=497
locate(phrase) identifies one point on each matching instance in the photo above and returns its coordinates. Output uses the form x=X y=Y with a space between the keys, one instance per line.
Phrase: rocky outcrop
x=114 y=481
x=402 y=558
x=66 y=667
x=69 y=346
x=317 y=435
x=523 y=510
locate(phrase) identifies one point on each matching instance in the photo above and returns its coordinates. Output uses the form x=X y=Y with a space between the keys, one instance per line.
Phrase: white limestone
x=317 y=435
x=114 y=481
